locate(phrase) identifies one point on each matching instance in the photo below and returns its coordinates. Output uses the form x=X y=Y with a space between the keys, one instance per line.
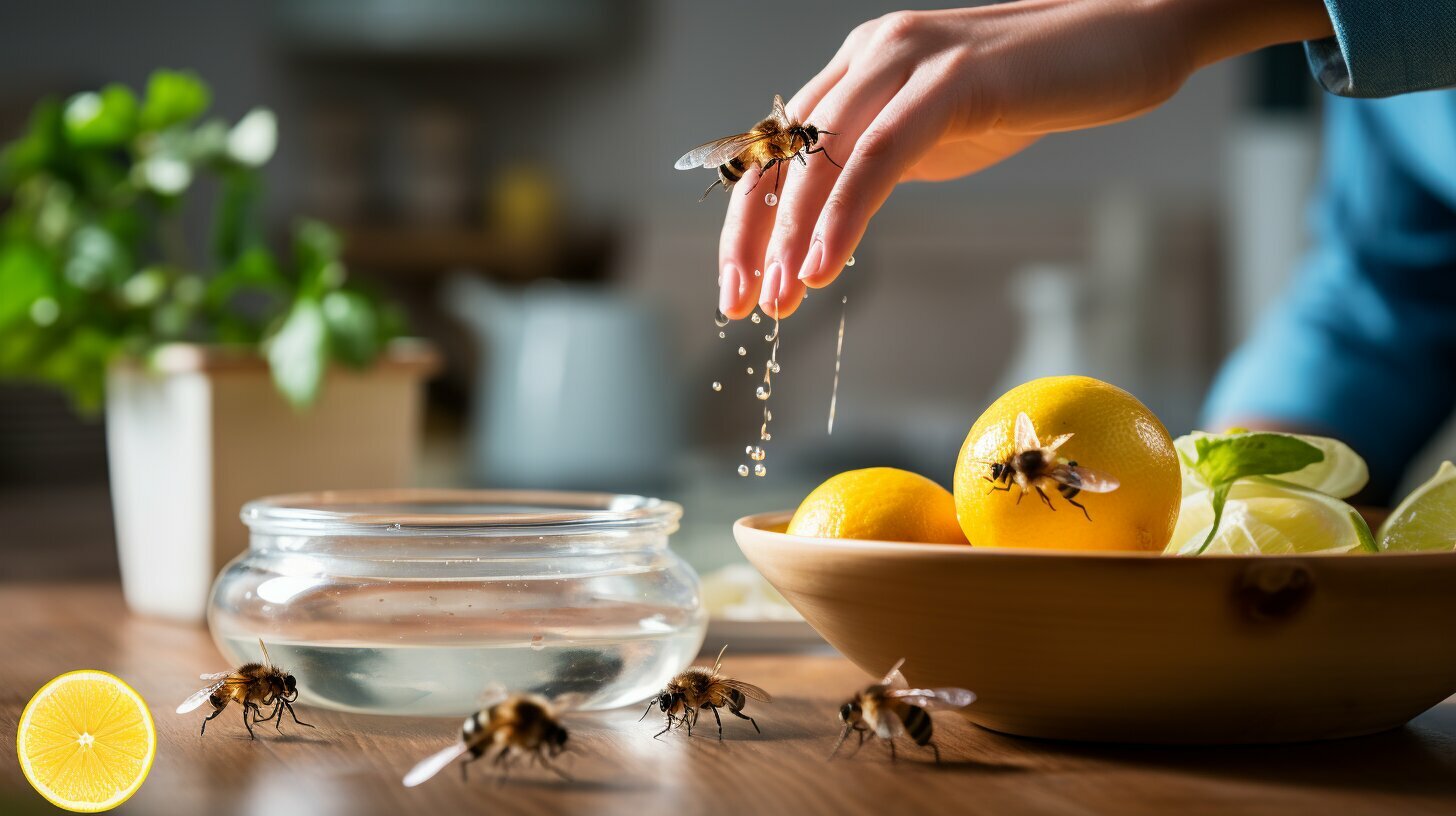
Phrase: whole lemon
x=879 y=504
x=1113 y=435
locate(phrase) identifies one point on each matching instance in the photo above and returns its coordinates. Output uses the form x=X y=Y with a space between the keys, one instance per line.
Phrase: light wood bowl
x=1133 y=647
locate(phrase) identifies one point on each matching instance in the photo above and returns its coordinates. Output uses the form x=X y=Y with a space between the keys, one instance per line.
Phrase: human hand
x=938 y=95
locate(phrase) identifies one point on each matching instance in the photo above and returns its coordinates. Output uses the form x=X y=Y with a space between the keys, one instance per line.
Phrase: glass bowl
x=418 y=601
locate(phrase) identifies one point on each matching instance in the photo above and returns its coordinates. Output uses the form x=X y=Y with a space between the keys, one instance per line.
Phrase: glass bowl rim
x=542 y=512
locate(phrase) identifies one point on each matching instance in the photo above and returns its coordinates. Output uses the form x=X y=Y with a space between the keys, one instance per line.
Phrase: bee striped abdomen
x=917 y=724
x=737 y=700
x=732 y=170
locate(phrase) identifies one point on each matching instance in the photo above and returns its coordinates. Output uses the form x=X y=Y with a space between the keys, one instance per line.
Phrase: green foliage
x=94 y=263
x=1224 y=459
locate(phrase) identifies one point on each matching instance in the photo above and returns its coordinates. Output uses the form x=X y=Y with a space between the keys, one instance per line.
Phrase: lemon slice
x=1270 y=517
x=1340 y=474
x=86 y=741
x=1426 y=520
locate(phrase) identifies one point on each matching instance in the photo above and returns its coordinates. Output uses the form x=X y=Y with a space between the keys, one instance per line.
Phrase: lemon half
x=1426 y=519
x=1270 y=517
x=86 y=741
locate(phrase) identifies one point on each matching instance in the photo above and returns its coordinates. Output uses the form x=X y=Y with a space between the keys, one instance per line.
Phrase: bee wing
x=885 y=722
x=214 y=676
x=433 y=764
x=200 y=696
x=718 y=151
x=935 y=698
x=1059 y=441
x=778 y=112
x=748 y=689
x=492 y=694
x=1025 y=433
x=1090 y=481
x=893 y=678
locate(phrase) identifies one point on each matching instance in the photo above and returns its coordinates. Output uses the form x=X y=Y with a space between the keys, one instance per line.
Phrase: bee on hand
x=515 y=725
x=1036 y=467
x=771 y=142
x=890 y=708
x=696 y=688
x=253 y=686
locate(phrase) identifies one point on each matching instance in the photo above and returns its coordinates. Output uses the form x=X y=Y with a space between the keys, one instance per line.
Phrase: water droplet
x=844 y=299
x=750 y=369
x=758 y=273
x=760 y=470
x=719 y=319
x=770 y=199
x=743 y=470
x=538 y=642
x=722 y=335
x=763 y=392
x=756 y=453
x=717 y=386
x=767 y=415
x=765 y=435
x=849 y=262
x=394 y=526
x=773 y=366
x=754 y=317
x=742 y=352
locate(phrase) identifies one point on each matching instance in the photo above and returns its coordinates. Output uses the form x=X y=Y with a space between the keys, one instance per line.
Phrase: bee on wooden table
x=696 y=688
x=513 y=725
x=1033 y=466
x=774 y=140
x=253 y=686
x=890 y=708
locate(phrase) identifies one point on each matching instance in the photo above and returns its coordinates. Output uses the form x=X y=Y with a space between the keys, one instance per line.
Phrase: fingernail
x=811 y=263
x=771 y=281
x=729 y=288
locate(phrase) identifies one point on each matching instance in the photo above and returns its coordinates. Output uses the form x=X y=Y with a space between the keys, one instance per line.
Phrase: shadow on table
x=1418 y=759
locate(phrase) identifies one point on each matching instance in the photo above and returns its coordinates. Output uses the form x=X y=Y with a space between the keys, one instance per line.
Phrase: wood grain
x=352 y=764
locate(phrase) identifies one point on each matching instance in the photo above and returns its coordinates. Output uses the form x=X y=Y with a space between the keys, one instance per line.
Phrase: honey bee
x=696 y=688
x=254 y=686
x=514 y=725
x=774 y=140
x=890 y=708
x=1036 y=467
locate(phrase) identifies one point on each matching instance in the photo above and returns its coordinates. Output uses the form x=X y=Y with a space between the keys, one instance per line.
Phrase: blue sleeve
x=1386 y=47
x=1363 y=346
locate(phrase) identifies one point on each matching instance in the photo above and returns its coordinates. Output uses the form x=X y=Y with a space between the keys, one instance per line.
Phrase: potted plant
x=210 y=361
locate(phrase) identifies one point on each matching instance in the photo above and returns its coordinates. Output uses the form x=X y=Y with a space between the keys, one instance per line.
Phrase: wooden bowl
x=1134 y=647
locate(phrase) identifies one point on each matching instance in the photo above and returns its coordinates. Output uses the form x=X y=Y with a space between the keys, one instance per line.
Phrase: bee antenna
x=823 y=132
x=650 y=704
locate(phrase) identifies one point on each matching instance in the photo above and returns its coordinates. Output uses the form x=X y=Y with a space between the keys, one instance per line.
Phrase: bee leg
x=891 y=743
x=211 y=716
x=665 y=728
x=827 y=156
x=740 y=715
x=294 y=715
x=1081 y=507
x=1045 y=499
x=843 y=735
x=763 y=171
x=552 y=767
x=932 y=746
x=993 y=489
x=249 y=725
x=720 y=723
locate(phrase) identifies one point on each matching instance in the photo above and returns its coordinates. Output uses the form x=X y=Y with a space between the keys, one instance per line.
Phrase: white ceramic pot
x=200 y=430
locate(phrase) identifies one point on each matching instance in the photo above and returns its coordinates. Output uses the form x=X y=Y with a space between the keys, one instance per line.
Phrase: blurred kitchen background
x=504 y=170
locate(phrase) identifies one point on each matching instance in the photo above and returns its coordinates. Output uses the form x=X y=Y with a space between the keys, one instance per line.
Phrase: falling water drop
x=719 y=319
x=760 y=470
x=758 y=273
x=742 y=352
x=756 y=453
x=773 y=366
x=838 y=353
x=770 y=199
x=743 y=470
x=849 y=262
x=754 y=317
x=717 y=386
x=722 y=335
x=763 y=392
x=750 y=369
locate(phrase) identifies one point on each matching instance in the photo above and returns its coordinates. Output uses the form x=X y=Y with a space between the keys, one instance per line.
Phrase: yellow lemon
x=86 y=741
x=1112 y=435
x=879 y=504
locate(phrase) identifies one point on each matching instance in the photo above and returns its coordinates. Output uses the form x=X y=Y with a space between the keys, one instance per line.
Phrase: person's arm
x=1363 y=347
x=942 y=94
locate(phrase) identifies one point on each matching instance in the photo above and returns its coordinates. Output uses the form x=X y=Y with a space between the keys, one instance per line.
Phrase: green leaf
x=1226 y=458
x=235 y=228
x=43 y=142
x=173 y=97
x=101 y=119
x=25 y=276
x=298 y=352
x=354 y=333
x=316 y=250
x=1223 y=460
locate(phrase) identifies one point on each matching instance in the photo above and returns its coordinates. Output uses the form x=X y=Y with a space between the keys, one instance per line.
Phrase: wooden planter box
x=199 y=430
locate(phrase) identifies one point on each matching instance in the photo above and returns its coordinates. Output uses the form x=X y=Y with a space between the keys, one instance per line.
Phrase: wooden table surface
x=352 y=764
